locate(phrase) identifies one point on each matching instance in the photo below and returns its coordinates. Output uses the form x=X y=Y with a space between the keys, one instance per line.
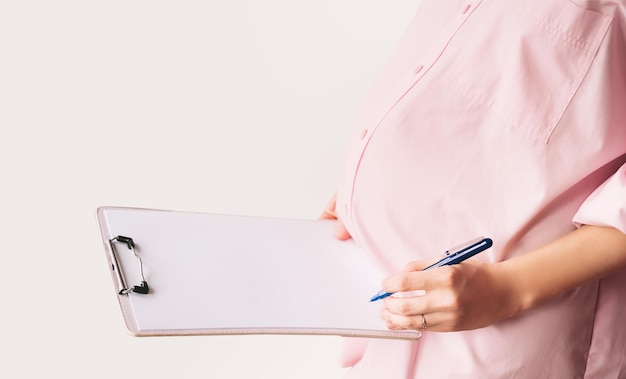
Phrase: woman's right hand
x=331 y=214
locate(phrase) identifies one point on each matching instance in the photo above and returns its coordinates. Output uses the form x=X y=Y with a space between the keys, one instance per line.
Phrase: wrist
x=503 y=295
x=516 y=295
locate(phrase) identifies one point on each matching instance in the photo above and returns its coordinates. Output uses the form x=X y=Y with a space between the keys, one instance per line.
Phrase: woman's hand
x=473 y=295
x=465 y=296
x=331 y=214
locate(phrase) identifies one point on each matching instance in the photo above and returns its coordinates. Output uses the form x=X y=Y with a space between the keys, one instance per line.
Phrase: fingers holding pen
x=412 y=278
x=404 y=310
x=469 y=295
x=432 y=310
x=449 y=294
x=429 y=299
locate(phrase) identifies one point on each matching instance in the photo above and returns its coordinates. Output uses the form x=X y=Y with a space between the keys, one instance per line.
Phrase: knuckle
x=411 y=266
x=404 y=283
x=403 y=308
x=450 y=277
x=454 y=300
x=406 y=323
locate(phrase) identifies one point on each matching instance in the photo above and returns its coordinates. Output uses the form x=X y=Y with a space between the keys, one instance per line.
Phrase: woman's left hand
x=465 y=296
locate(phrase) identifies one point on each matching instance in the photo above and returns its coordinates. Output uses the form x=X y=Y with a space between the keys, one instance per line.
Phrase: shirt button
x=363 y=133
x=417 y=69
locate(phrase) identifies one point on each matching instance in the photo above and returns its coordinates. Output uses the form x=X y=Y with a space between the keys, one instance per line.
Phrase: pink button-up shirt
x=505 y=119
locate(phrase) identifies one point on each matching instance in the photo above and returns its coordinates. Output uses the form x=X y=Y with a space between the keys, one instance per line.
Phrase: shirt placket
x=398 y=92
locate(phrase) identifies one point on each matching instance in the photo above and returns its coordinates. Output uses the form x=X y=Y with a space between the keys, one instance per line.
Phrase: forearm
x=588 y=253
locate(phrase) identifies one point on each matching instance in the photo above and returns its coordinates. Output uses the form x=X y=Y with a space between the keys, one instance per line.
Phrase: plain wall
x=240 y=107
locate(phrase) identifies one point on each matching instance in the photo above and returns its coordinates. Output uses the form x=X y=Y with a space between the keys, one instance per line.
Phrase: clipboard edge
x=123 y=300
x=357 y=333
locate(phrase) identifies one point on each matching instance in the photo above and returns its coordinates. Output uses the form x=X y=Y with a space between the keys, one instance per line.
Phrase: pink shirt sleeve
x=606 y=206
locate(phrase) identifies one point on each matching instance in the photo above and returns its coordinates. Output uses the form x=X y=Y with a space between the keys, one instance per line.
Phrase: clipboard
x=188 y=273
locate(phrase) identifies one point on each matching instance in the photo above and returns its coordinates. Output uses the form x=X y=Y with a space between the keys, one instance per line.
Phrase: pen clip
x=463 y=246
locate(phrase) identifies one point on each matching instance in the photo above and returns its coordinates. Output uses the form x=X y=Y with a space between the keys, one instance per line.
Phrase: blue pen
x=453 y=256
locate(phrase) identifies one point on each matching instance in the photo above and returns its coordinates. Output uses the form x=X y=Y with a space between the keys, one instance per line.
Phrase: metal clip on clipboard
x=123 y=288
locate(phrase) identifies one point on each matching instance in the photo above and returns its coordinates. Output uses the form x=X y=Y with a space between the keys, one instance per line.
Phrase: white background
x=239 y=107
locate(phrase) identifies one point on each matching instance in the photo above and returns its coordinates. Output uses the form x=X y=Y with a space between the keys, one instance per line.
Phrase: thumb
x=341 y=232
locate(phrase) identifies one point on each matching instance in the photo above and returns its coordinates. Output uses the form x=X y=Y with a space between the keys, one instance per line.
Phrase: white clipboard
x=187 y=273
